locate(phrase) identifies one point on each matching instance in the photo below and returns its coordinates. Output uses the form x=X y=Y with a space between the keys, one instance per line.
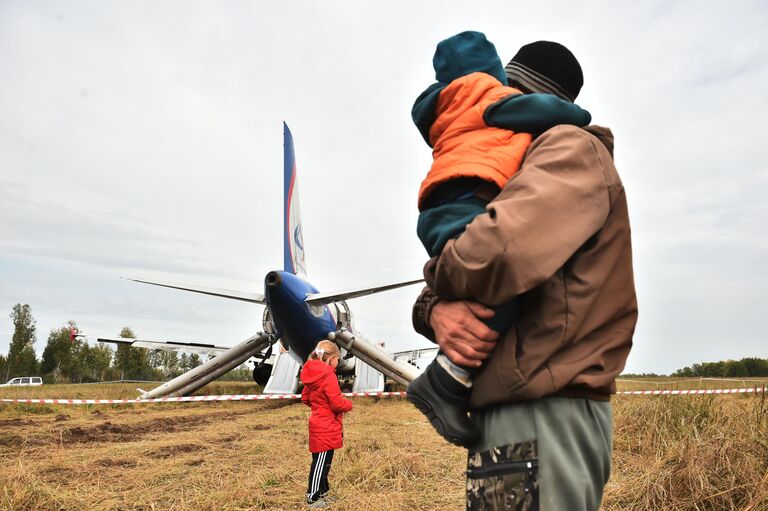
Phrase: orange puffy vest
x=463 y=145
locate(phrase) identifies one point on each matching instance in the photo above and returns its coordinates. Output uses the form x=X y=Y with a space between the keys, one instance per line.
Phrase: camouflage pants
x=551 y=454
x=503 y=478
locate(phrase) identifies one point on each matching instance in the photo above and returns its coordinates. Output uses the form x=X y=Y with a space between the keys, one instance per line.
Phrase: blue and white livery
x=294 y=259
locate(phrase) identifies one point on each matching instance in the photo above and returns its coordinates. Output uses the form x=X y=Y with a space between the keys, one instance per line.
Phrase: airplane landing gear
x=261 y=373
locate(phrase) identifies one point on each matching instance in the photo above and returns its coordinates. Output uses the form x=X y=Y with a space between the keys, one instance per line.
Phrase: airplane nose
x=273 y=279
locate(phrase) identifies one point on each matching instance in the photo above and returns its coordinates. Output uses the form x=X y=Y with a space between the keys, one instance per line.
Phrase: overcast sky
x=145 y=139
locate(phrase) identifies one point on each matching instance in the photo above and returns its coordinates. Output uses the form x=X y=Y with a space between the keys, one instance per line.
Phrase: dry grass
x=117 y=390
x=689 y=383
x=211 y=456
x=692 y=453
x=671 y=453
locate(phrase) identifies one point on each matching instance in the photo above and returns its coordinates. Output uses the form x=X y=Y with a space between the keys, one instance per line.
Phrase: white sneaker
x=318 y=503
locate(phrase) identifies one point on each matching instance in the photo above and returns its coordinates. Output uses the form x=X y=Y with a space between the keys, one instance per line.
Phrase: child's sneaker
x=444 y=401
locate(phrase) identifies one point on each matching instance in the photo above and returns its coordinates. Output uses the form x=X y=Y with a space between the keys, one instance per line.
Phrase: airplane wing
x=223 y=293
x=335 y=296
x=183 y=347
x=212 y=369
x=375 y=356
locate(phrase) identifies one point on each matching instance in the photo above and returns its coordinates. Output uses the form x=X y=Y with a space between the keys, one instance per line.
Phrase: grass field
x=670 y=453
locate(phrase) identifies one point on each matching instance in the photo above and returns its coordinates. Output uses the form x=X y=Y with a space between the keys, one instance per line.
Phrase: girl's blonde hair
x=325 y=350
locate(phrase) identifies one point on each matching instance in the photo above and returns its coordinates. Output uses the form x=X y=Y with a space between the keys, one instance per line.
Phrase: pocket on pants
x=504 y=477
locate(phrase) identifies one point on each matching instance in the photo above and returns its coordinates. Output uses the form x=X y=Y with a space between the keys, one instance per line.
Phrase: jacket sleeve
x=424 y=111
x=421 y=312
x=305 y=395
x=550 y=208
x=339 y=404
x=534 y=113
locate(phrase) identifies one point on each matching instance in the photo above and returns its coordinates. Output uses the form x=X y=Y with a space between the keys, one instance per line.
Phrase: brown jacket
x=557 y=237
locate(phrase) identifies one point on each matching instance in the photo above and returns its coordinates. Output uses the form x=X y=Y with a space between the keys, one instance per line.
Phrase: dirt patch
x=194 y=463
x=276 y=403
x=11 y=441
x=77 y=434
x=15 y=441
x=173 y=450
x=116 y=463
x=61 y=418
x=228 y=439
x=15 y=422
x=110 y=432
x=106 y=432
x=259 y=427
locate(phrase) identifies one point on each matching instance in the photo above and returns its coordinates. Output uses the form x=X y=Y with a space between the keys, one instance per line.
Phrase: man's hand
x=461 y=335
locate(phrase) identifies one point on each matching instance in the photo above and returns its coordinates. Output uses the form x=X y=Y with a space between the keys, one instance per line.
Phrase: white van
x=23 y=381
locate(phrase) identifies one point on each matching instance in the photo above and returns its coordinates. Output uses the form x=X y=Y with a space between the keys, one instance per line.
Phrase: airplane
x=295 y=318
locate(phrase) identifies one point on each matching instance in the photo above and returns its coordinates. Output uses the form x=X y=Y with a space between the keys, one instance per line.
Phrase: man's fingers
x=481 y=345
x=467 y=351
x=480 y=310
x=481 y=331
x=459 y=359
x=467 y=336
x=474 y=326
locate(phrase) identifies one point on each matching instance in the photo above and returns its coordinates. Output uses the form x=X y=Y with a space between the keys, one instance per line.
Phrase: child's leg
x=461 y=374
x=316 y=475
x=442 y=393
x=324 y=474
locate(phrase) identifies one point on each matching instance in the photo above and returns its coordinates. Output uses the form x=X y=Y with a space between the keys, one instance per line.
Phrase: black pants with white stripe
x=318 y=475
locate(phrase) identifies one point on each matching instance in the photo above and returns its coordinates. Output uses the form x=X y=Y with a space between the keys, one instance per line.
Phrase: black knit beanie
x=548 y=67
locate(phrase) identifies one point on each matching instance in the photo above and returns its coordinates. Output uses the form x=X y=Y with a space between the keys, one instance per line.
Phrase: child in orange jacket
x=479 y=129
x=323 y=395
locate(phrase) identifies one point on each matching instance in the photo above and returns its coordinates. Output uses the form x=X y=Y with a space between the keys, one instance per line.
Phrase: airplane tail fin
x=293 y=241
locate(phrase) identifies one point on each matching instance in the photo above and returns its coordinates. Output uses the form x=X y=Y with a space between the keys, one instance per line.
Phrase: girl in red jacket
x=322 y=394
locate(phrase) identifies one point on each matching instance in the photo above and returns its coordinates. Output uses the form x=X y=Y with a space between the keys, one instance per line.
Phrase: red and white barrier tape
x=751 y=390
x=262 y=397
x=237 y=397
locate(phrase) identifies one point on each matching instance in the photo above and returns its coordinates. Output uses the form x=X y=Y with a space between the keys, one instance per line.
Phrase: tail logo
x=299 y=239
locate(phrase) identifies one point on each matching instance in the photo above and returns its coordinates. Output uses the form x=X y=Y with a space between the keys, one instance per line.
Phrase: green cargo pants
x=551 y=454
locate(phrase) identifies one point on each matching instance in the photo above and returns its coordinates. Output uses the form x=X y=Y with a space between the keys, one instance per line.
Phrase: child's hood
x=314 y=371
x=466 y=53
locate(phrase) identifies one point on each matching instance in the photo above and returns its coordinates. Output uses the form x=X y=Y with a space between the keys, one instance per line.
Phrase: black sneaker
x=444 y=401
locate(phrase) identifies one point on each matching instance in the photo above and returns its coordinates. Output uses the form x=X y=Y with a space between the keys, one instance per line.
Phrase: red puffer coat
x=322 y=394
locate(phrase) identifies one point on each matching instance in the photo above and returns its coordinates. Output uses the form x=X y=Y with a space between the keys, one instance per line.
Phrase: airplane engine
x=266 y=320
x=343 y=315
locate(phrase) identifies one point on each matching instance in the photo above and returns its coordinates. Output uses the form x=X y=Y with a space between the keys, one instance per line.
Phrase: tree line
x=68 y=359
x=744 y=368
x=749 y=367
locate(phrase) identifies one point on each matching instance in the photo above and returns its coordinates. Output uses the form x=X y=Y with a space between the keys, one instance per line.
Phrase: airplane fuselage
x=299 y=326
